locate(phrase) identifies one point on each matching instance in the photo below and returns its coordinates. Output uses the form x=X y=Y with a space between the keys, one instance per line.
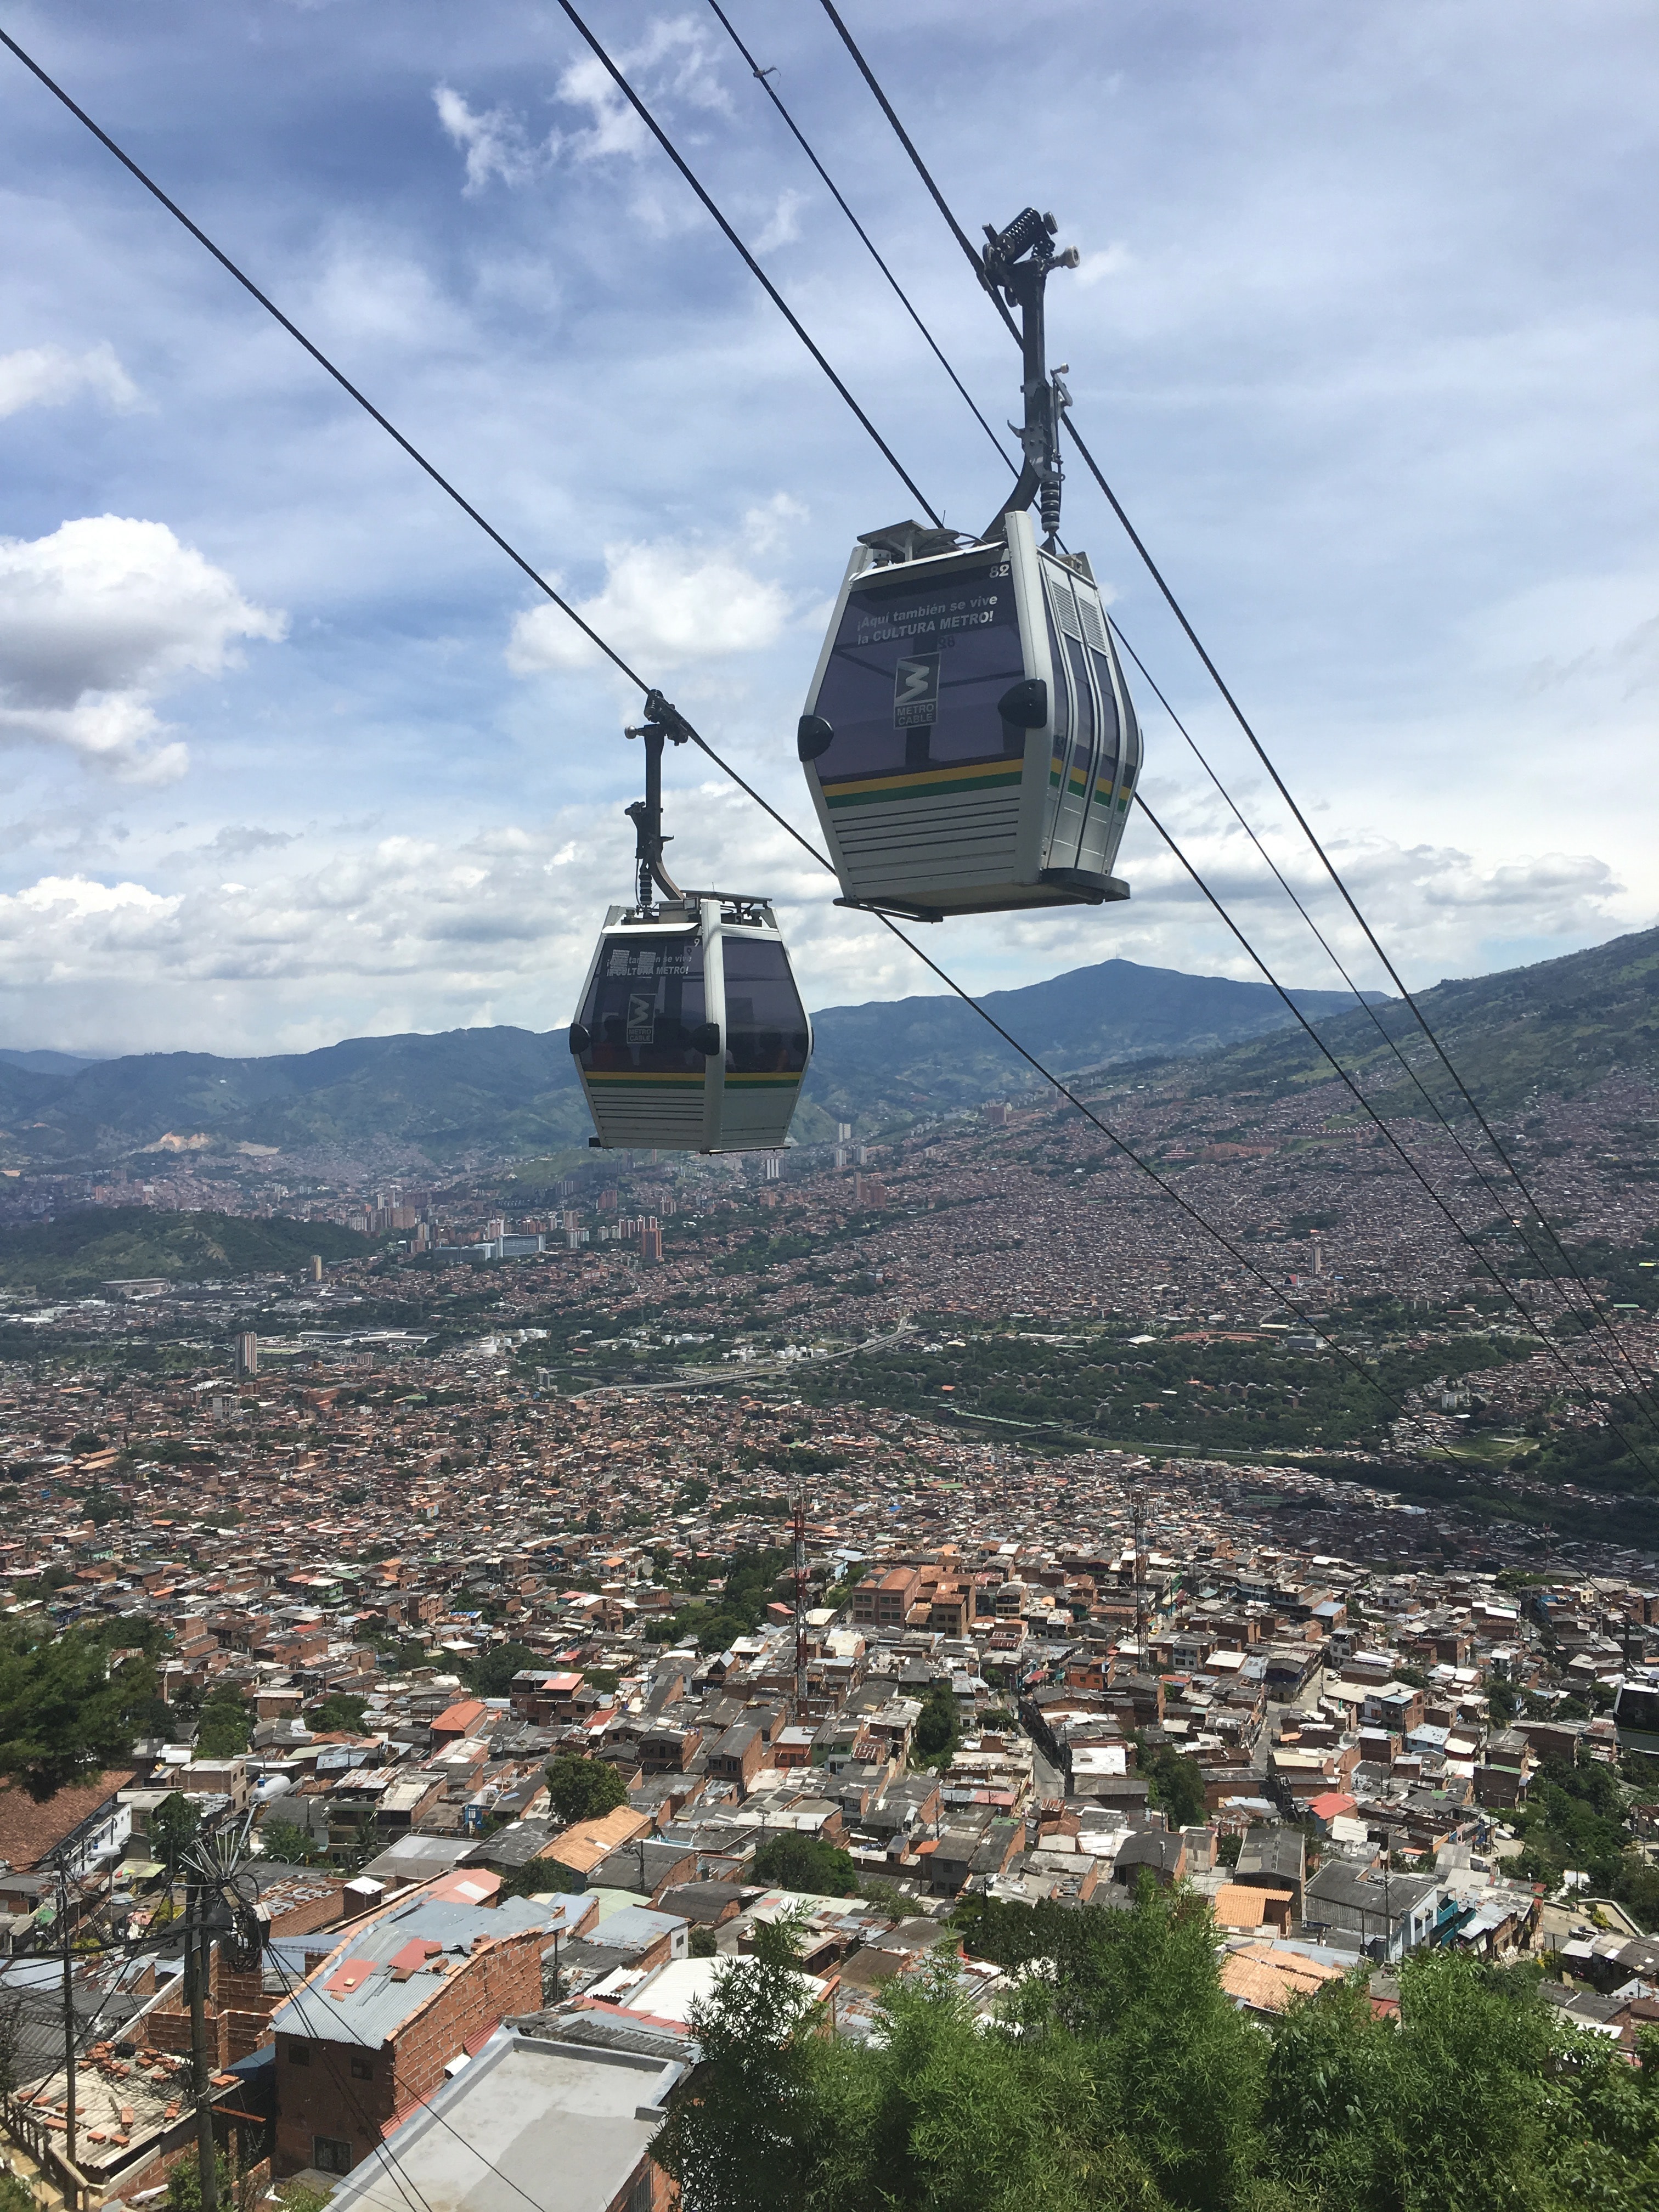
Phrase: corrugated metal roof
x=364 y=1997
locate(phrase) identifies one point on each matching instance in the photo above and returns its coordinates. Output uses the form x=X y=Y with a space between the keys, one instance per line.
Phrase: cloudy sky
x=1364 y=332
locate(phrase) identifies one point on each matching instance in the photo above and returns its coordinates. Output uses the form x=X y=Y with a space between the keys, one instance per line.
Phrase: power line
x=764 y=78
x=319 y=356
x=666 y=143
x=975 y=259
x=1592 y=1303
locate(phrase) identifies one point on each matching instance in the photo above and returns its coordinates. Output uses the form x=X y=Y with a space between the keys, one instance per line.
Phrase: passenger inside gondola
x=643 y=1006
x=765 y=1021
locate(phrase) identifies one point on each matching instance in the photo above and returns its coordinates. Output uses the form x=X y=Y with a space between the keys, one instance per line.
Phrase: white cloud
x=783 y=225
x=46 y=376
x=95 y=620
x=673 y=64
x=493 y=140
x=614 y=128
x=668 y=603
x=78 y=896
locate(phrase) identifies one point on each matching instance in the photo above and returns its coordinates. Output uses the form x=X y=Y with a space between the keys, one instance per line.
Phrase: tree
x=226 y=1725
x=63 y=1713
x=1176 y=1785
x=172 y=1826
x=338 y=1713
x=936 y=1729
x=1360 y=2105
x=287 y=1843
x=185 y=2184
x=584 y=1789
x=11 y=2038
x=747 y=2141
x=807 y=1863
x=537 y=1876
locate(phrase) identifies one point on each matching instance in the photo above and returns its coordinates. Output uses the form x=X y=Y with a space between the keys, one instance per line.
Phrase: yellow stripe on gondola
x=968 y=776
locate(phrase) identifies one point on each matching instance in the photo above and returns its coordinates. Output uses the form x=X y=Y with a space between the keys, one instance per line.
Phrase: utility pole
x=69 y=2053
x=1138 y=1520
x=199 y=1954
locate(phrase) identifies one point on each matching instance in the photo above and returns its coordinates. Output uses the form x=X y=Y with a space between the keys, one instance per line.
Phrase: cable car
x=969 y=740
x=690 y=1034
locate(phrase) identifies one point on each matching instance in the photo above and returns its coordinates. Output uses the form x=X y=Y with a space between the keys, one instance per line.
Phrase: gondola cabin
x=691 y=1035
x=969 y=740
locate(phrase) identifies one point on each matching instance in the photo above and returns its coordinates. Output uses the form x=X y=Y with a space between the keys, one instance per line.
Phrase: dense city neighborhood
x=562 y=1605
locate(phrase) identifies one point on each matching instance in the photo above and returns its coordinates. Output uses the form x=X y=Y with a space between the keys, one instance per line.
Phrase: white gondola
x=691 y=1035
x=969 y=740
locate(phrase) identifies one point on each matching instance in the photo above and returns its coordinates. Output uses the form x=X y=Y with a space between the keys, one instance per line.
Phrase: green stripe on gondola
x=942 y=783
x=763 y=1082
x=633 y=1079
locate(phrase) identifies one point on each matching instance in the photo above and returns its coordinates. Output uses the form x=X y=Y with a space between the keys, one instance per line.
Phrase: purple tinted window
x=916 y=671
x=765 y=1021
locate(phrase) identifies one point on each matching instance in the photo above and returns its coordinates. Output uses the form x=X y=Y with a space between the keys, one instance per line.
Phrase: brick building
x=365 y=2040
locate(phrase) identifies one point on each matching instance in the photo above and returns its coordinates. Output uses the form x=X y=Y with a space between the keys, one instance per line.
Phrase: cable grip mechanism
x=1016 y=262
x=664 y=724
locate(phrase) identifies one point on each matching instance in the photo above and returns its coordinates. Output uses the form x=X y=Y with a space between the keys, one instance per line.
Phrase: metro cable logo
x=915 y=690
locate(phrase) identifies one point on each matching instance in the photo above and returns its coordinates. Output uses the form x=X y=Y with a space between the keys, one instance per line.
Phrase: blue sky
x=1363 y=333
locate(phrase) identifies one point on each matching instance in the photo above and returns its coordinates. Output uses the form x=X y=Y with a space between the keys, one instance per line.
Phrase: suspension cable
x=763 y=77
x=1593 y=1304
x=749 y=260
x=519 y=561
x=1540 y=1259
x=1365 y=1105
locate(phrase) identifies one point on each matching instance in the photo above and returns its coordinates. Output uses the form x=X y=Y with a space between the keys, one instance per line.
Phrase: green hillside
x=1552 y=1029
x=78 y=1252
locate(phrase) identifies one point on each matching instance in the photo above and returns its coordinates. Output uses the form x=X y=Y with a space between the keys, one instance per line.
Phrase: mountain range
x=510 y=1092
x=501 y=1092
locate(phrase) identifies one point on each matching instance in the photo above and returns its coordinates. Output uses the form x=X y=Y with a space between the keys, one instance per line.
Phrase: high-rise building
x=996 y=1113
x=247 y=1354
x=651 y=1243
x=869 y=1190
x=316 y=1267
x=774 y=1166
